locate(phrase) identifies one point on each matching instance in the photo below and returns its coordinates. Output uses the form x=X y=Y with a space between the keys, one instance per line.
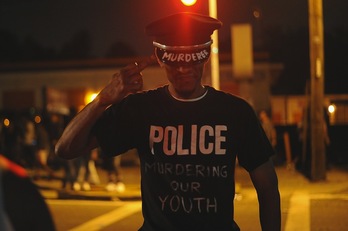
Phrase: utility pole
x=316 y=44
x=214 y=56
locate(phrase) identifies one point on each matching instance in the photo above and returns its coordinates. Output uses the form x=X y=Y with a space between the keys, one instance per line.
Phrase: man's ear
x=160 y=63
x=158 y=60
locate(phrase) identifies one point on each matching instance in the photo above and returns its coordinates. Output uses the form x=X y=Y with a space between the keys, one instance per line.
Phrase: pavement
x=52 y=188
x=290 y=180
x=306 y=205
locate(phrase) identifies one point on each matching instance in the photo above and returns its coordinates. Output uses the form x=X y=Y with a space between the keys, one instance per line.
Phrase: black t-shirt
x=187 y=151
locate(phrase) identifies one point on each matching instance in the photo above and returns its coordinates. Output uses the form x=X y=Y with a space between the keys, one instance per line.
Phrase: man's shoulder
x=222 y=95
x=157 y=91
x=147 y=93
x=151 y=92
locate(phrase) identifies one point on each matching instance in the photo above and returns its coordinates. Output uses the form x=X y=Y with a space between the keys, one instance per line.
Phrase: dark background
x=46 y=30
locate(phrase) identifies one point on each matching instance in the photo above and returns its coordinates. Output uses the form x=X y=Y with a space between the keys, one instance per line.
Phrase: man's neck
x=197 y=93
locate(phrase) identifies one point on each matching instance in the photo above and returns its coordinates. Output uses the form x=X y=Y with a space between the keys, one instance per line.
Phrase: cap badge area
x=182 y=55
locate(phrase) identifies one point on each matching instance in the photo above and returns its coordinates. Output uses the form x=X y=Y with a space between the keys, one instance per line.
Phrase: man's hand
x=128 y=80
x=77 y=139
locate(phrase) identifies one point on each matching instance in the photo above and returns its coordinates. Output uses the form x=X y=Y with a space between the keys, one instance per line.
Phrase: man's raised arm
x=77 y=138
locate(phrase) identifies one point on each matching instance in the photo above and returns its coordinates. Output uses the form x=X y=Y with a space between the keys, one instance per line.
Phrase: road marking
x=118 y=214
x=299 y=212
x=329 y=196
x=86 y=202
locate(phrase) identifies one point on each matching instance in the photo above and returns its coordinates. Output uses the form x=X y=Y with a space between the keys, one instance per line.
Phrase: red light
x=188 y=2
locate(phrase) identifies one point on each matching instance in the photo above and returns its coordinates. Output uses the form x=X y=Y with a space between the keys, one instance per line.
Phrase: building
x=59 y=87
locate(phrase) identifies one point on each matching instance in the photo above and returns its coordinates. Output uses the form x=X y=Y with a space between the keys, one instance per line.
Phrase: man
x=187 y=135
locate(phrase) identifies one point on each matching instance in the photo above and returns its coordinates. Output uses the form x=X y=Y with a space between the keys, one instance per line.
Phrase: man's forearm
x=76 y=138
x=270 y=215
x=265 y=181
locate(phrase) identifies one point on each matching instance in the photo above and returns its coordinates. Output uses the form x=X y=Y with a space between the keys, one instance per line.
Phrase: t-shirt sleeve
x=255 y=148
x=114 y=129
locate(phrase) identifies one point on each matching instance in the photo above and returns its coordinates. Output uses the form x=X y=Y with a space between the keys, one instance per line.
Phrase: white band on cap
x=180 y=48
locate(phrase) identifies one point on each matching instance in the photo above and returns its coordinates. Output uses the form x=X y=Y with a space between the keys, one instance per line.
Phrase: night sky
x=53 y=23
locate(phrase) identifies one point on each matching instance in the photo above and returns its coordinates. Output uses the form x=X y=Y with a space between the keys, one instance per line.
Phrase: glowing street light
x=215 y=69
x=188 y=2
x=90 y=96
x=214 y=55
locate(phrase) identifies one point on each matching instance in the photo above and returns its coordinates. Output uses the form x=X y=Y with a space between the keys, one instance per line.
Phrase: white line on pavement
x=101 y=222
x=299 y=215
x=86 y=202
x=329 y=196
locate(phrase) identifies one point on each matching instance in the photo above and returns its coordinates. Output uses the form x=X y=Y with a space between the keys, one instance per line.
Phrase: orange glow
x=332 y=108
x=188 y=2
x=6 y=122
x=90 y=97
x=37 y=119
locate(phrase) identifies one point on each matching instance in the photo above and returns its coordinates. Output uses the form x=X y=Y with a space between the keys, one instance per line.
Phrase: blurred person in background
x=115 y=178
x=28 y=147
x=82 y=173
x=43 y=149
x=268 y=127
x=11 y=138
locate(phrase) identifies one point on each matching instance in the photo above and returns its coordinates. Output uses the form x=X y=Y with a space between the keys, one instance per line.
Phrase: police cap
x=183 y=38
x=183 y=29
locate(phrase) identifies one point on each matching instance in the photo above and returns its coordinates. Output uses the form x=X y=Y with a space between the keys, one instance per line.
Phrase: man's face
x=185 y=80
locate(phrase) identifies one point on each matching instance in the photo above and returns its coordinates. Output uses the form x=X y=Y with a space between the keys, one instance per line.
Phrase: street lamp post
x=214 y=59
x=316 y=43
